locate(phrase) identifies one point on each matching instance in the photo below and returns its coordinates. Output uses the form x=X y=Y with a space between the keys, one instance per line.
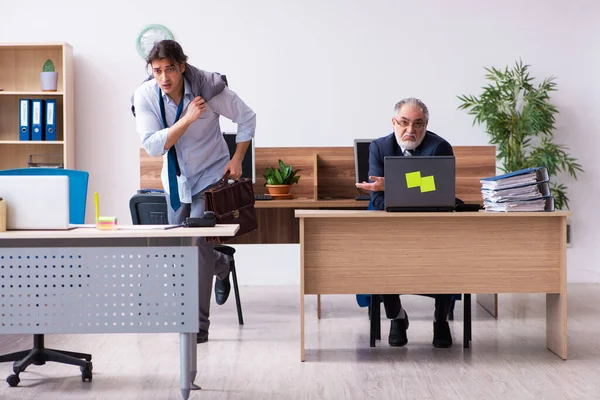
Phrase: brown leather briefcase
x=232 y=203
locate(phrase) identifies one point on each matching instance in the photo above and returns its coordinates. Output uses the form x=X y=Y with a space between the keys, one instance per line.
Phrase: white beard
x=410 y=144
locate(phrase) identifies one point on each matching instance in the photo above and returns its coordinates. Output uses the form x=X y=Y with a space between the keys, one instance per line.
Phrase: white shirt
x=405 y=152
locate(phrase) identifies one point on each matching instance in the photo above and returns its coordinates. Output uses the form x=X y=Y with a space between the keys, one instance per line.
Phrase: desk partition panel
x=98 y=290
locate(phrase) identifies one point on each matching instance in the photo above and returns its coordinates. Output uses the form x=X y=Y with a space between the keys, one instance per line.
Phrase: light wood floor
x=508 y=359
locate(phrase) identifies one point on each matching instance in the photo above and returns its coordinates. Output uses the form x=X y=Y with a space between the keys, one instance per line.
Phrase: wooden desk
x=480 y=252
x=84 y=267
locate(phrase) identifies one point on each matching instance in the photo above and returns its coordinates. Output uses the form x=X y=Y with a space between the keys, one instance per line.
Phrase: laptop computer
x=35 y=202
x=420 y=183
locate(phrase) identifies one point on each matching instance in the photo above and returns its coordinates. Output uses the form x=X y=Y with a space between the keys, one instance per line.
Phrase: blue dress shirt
x=202 y=152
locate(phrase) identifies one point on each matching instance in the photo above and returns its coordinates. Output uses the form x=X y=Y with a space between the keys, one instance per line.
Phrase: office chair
x=39 y=355
x=150 y=208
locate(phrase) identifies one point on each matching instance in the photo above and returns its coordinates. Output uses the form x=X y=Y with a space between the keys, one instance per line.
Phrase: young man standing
x=177 y=116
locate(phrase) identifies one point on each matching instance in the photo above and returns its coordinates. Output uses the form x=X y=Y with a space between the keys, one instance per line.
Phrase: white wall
x=321 y=73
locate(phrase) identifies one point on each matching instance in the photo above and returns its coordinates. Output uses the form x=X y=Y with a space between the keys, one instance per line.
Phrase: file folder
x=37 y=120
x=50 y=113
x=528 y=192
x=522 y=177
x=532 y=205
x=25 y=119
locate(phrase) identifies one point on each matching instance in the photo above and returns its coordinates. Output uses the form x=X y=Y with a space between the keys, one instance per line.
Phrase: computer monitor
x=248 y=167
x=361 y=159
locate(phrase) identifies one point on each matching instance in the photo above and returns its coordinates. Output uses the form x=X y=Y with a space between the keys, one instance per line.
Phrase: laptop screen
x=419 y=182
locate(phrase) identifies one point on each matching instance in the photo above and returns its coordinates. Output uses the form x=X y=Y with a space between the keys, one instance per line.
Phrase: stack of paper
x=528 y=192
x=523 y=190
x=513 y=179
x=543 y=204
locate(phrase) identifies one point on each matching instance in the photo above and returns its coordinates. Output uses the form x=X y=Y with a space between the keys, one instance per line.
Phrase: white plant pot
x=49 y=81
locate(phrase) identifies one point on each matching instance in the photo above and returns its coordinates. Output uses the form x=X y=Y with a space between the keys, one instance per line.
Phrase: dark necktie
x=173 y=170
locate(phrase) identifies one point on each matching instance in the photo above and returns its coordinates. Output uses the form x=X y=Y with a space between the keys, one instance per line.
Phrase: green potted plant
x=519 y=119
x=280 y=180
x=49 y=77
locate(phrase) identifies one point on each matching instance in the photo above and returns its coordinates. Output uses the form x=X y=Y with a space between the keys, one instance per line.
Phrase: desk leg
x=194 y=363
x=467 y=335
x=301 y=326
x=375 y=316
x=556 y=323
x=302 y=289
x=318 y=306
x=185 y=363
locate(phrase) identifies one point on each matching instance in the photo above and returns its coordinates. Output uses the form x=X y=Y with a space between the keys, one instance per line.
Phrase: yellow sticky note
x=413 y=179
x=427 y=184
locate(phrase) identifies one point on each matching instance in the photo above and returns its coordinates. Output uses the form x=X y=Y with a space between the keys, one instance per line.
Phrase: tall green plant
x=519 y=120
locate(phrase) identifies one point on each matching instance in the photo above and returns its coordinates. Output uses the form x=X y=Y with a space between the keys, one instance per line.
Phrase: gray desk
x=135 y=280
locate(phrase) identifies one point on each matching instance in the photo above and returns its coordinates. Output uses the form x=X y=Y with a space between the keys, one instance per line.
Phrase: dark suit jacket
x=432 y=145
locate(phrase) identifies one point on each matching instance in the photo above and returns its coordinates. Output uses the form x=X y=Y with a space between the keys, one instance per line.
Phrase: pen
x=96 y=203
x=174 y=226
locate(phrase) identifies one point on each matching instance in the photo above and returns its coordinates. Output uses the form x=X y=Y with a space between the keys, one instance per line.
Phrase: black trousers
x=443 y=302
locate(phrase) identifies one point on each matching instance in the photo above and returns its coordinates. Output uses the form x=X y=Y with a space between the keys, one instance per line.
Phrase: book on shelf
x=37 y=120
x=521 y=177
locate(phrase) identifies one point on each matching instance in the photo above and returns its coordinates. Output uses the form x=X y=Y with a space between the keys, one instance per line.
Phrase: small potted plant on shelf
x=279 y=180
x=49 y=77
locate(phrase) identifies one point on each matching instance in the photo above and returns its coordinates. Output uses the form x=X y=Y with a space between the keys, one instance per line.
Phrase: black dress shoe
x=202 y=336
x=222 y=289
x=398 y=329
x=442 y=338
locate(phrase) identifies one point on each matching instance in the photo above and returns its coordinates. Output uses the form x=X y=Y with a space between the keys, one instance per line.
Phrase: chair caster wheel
x=86 y=376
x=13 y=380
x=86 y=372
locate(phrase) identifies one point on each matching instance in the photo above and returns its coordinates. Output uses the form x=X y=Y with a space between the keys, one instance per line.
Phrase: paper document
x=543 y=204
x=142 y=227
x=125 y=227
x=517 y=178
x=528 y=192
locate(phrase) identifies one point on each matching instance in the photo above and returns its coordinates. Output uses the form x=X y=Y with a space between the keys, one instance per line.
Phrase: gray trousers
x=210 y=262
